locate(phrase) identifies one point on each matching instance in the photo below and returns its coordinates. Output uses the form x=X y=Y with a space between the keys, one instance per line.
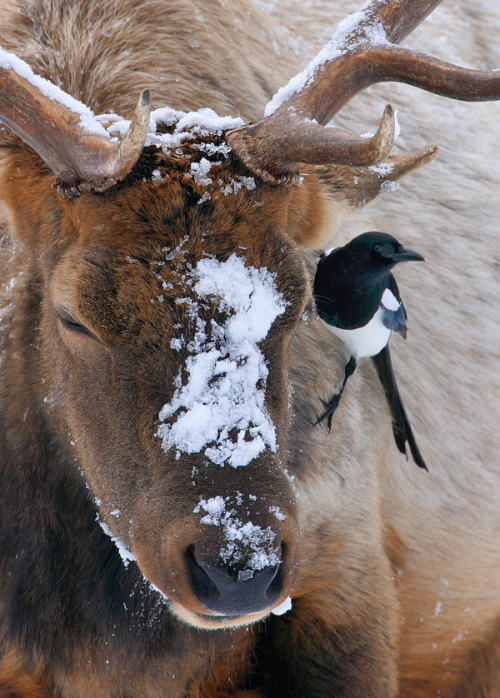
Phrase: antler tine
x=362 y=53
x=97 y=166
x=118 y=163
x=300 y=140
x=400 y=17
x=357 y=186
x=82 y=160
x=339 y=72
x=398 y=64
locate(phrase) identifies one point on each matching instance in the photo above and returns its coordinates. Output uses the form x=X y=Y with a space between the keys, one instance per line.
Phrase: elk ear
x=357 y=186
x=29 y=204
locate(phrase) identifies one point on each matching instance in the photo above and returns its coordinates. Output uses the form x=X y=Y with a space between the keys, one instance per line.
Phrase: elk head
x=168 y=283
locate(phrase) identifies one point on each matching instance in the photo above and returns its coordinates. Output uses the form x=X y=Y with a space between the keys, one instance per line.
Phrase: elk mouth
x=216 y=621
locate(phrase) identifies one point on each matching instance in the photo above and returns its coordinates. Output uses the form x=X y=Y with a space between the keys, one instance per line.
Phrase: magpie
x=358 y=298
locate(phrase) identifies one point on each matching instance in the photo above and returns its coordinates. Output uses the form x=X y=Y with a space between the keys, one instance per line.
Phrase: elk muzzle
x=226 y=560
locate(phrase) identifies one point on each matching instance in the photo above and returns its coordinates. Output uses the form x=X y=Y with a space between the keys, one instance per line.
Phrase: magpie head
x=369 y=256
x=384 y=250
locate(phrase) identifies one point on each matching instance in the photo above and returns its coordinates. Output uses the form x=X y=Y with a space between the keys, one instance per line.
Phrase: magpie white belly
x=364 y=341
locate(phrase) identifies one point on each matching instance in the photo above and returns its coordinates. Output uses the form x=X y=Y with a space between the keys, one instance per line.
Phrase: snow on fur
x=125 y=554
x=245 y=541
x=283 y=607
x=187 y=126
x=128 y=557
x=227 y=373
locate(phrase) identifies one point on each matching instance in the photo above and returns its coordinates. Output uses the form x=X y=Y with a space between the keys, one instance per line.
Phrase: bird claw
x=331 y=406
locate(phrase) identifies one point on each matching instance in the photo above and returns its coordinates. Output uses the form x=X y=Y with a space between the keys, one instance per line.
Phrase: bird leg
x=332 y=404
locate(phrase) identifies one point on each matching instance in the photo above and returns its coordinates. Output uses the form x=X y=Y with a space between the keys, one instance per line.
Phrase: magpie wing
x=400 y=424
x=394 y=318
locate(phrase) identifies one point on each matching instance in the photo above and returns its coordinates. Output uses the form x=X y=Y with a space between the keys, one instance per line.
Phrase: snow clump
x=256 y=540
x=227 y=373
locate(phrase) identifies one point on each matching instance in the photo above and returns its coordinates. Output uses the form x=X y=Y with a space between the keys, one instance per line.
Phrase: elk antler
x=363 y=52
x=82 y=160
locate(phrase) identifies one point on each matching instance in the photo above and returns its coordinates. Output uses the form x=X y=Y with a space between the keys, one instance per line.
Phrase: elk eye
x=71 y=324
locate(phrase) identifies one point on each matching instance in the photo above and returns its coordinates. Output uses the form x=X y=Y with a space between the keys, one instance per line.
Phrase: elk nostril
x=204 y=588
x=231 y=592
x=275 y=588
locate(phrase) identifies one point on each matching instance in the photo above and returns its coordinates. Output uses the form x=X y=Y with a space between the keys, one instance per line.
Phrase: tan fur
x=446 y=550
x=154 y=44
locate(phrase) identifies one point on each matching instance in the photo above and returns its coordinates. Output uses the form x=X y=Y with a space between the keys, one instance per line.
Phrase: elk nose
x=232 y=593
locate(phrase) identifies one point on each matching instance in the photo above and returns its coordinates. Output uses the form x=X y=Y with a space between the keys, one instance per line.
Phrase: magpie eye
x=384 y=250
x=71 y=324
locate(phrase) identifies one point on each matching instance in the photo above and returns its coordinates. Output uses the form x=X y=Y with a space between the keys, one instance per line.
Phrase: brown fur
x=18 y=678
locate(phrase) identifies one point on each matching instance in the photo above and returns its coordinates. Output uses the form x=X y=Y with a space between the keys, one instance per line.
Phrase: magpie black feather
x=400 y=422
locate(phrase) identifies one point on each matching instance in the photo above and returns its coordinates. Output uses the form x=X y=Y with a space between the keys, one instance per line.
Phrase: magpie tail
x=400 y=424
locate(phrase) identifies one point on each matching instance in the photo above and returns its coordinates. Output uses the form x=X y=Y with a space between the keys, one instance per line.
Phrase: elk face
x=164 y=344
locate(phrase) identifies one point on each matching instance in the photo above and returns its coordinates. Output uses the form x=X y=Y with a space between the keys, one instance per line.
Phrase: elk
x=161 y=366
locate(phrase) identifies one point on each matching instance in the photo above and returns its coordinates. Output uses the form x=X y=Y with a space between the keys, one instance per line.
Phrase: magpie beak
x=404 y=255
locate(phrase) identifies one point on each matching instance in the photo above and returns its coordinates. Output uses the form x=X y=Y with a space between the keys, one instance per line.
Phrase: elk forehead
x=226 y=370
